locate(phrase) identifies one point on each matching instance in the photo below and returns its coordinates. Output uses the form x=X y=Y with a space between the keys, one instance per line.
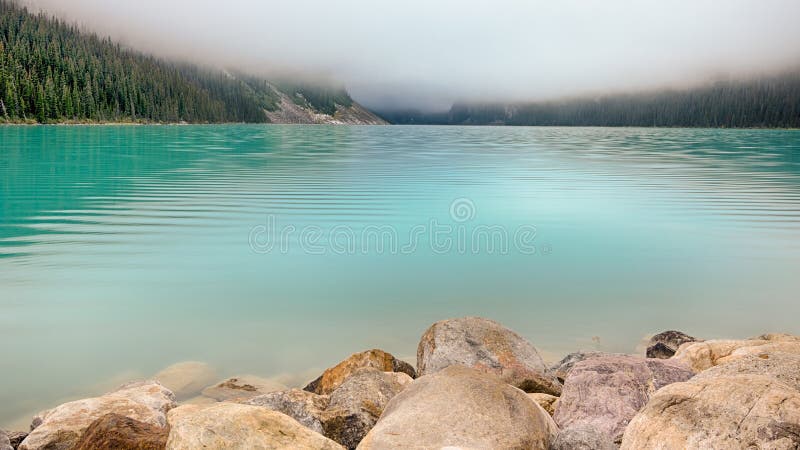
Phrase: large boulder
x=604 y=393
x=357 y=404
x=242 y=387
x=665 y=344
x=61 y=427
x=237 y=426
x=487 y=346
x=726 y=411
x=461 y=407
x=117 y=432
x=561 y=369
x=784 y=367
x=582 y=438
x=303 y=406
x=334 y=376
x=5 y=442
x=700 y=356
x=186 y=379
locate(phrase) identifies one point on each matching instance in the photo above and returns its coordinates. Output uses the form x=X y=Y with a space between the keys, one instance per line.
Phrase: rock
x=562 y=368
x=5 y=442
x=237 y=426
x=700 y=356
x=61 y=427
x=117 y=432
x=461 y=407
x=604 y=393
x=665 y=344
x=357 y=404
x=16 y=437
x=582 y=438
x=783 y=337
x=186 y=379
x=334 y=376
x=487 y=346
x=242 y=387
x=199 y=400
x=738 y=411
x=546 y=401
x=784 y=367
x=303 y=406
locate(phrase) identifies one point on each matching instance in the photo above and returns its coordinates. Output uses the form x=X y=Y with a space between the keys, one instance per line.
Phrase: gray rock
x=487 y=346
x=719 y=412
x=784 y=367
x=604 y=393
x=303 y=406
x=357 y=404
x=561 y=369
x=16 y=437
x=461 y=407
x=582 y=438
x=665 y=344
x=5 y=442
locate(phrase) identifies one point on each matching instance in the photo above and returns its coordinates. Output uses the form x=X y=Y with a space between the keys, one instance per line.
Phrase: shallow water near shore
x=275 y=250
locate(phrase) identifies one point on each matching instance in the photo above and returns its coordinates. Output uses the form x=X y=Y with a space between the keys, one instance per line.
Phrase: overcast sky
x=428 y=53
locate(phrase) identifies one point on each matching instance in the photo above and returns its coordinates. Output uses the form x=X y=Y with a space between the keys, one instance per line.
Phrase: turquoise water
x=282 y=249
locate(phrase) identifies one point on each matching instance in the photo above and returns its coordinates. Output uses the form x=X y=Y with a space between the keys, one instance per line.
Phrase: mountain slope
x=51 y=71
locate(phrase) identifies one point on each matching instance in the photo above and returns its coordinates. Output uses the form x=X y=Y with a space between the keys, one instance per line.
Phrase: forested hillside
x=51 y=71
x=772 y=102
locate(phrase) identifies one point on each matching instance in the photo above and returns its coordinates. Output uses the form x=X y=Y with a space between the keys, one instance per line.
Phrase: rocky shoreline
x=476 y=385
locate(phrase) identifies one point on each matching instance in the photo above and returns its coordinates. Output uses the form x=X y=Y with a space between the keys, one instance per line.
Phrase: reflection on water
x=125 y=249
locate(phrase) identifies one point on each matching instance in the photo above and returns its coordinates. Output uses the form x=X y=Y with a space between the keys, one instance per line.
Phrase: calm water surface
x=126 y=249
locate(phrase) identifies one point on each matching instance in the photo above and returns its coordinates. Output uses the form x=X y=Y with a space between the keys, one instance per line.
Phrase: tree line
x=51 y=71
x=763 y=102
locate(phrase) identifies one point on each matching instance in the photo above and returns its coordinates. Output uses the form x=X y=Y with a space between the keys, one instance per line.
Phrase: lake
x=279 y=250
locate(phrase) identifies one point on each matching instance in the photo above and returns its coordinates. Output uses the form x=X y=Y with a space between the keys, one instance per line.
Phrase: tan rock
x=487 y=346
x=546 y=401
x=186 y=379
x=784 y=367
x=117 y=432
x=237 y=426
x=62 y=426
x=461 y=407
x=333 y=377
x=722 y=412
x=700 y=356
x=242 y=387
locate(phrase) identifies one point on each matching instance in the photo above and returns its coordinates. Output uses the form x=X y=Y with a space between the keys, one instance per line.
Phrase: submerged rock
x=237 y=426
x=114 y=431
x=582 y=438
x=726 y=411
x=487 y=346
x=461 y=407
x=303 y=406
x=334 y=376
x=242 y=387
x=186 y=379
x=665 y=344
x=62 y=426
x=604 y=393
x=546 y=401
x=357 y=404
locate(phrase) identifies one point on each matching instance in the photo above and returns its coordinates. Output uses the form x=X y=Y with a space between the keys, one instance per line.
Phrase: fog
x=428 y=53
